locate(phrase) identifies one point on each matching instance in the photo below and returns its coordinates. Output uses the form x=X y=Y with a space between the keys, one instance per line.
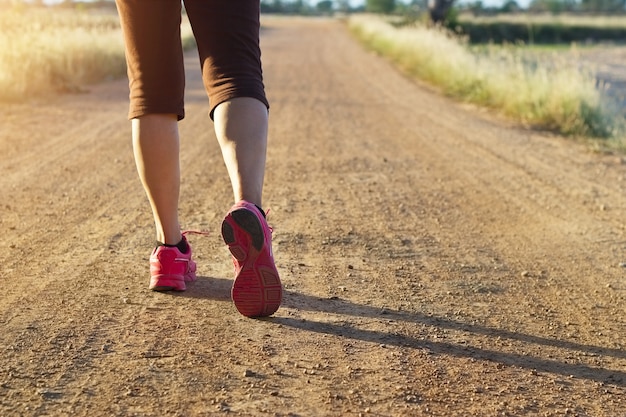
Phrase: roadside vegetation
x=542 y=28
x=52 y=49
x=552 y=94
x=45 y=50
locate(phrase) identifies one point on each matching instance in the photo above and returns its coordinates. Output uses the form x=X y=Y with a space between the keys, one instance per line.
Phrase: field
x=556 y=91
x=438 y=258
x=44 y=51
x=541 y=29
x=606 y=58
x=564 y=20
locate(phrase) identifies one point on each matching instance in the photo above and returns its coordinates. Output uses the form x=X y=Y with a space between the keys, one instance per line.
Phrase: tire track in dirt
x=463 y=189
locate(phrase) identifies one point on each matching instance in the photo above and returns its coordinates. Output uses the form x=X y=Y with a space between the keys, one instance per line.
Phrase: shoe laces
x=195 y=232
x=267 y=214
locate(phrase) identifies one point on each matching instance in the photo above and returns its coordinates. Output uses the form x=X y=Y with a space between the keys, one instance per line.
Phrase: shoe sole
x=166 y=289
x=257 y=291
x=164 y=284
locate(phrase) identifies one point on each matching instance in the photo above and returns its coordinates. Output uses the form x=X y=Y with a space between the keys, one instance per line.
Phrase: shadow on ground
x=219 y=289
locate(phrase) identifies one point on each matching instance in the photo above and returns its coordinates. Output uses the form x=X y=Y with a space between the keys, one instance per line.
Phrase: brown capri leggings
x=227 y=35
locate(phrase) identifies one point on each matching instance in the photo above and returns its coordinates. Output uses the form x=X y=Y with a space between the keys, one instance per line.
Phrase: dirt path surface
x=437 y=261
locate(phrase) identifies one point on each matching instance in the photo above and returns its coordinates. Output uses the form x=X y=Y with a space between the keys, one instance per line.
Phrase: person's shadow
x=207 y=288
x=219 y=289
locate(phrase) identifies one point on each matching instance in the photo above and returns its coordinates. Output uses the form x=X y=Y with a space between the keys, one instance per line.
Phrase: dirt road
x=437 y=261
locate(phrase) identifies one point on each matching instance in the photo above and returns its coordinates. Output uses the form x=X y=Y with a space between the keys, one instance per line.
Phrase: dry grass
x=43 y=51
x=554 y=95
x=51 y=50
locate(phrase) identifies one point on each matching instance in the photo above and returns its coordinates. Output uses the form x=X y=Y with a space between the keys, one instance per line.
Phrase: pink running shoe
x=257 y=291
x=170 y=268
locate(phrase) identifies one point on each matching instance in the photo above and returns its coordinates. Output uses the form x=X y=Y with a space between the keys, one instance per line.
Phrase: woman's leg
x=156 y=80
x=227 y=33
x=156 y=149
x=241 y=129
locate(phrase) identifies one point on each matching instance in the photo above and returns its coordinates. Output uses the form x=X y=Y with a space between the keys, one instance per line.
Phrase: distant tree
x=603 y=5
x=476 y=7
x=324 y=6
x=552 y=6
x=274 y=6
x=510 y=6
x=343 y=5
x=301 y=7
x=380 y=6
x=298 y=7
x=438 y=9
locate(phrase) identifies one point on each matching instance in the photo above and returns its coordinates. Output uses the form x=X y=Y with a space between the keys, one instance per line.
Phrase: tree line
x=404 y=6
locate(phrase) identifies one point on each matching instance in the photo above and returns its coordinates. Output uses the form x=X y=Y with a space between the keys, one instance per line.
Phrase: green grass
x=563 y=19
x=553 y=95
